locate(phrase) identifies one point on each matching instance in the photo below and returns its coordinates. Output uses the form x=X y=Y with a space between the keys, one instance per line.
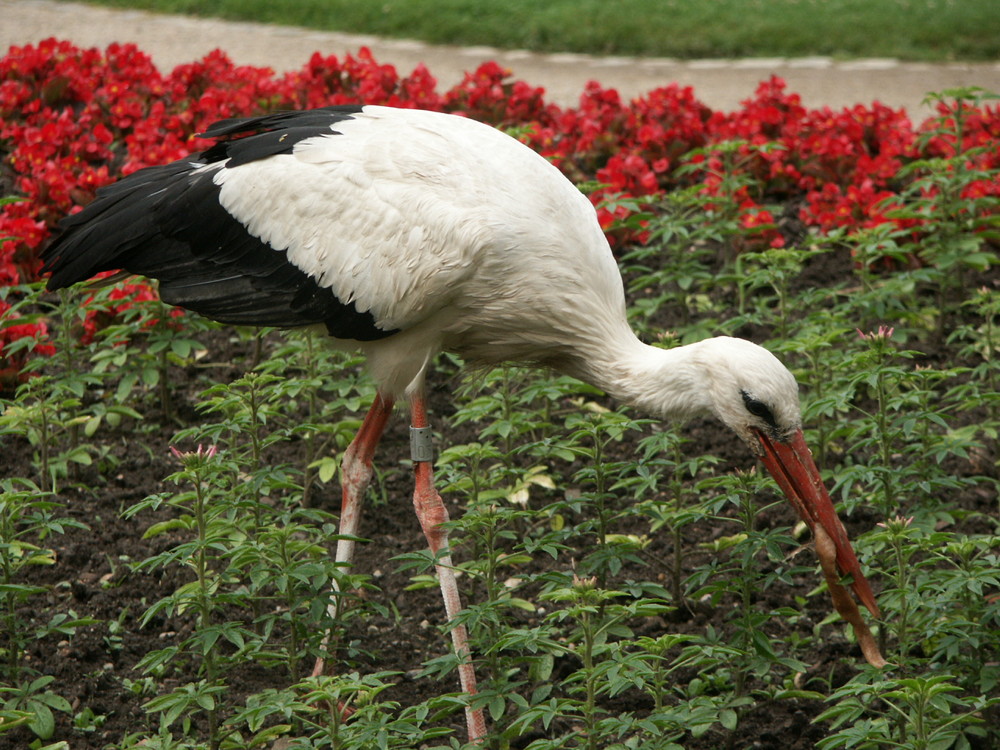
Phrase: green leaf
x=12 y=718
x=43 y=723
x=541 y=668
x=422 y=582
x=207 y=702
x=165 y=526
x=125 y=386
x=728 y=719
x=521 y=604
x=54 y=701
x=808 y=695
x=327 y=468
x=80 y=456
x=496 y=707
x=181 y=347
x=92 y=425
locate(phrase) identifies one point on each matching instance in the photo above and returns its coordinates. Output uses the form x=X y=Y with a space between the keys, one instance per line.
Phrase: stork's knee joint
x=421 y=444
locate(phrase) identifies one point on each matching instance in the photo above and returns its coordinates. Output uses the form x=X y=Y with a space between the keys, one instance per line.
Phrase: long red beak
x=792 y=466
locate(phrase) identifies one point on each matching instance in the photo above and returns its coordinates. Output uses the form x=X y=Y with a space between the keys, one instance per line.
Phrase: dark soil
x=93 y=577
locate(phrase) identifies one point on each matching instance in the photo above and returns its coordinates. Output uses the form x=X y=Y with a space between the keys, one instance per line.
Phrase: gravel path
x=721 y=84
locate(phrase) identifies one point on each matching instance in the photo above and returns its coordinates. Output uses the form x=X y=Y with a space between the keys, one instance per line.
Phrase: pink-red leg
x=355 y=474
x=432 y=514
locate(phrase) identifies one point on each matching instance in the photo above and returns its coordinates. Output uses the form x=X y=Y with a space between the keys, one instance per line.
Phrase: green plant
x=184 y=702
x=301 y=365
x=979 y=341
x=922 y=713
x=27 y=516
x=284 y=571
x=141 y=342
x=672 y=269
x=743 y=565
x=948 y=198
x=662 y=476
x=905 y=433
x=55 y=407
x=341 y=713
x=34 y=703
x=204 y=555
x=592 y=433
x=775 y=270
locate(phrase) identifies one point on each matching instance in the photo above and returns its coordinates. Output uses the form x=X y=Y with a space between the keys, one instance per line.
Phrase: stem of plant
x=309 y=474
x=884 y=438
x=506 y=401
x=746 y=585
x=590 y=702
x=988 y=336
x=48 y=479
x=600 y=483
x=163 y=365
x=10 y=617
x=902 y=584
x=677 y=494
x=204 y=595
x=293 y=631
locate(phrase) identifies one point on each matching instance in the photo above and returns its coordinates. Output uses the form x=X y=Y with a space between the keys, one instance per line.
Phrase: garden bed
x=629 y=584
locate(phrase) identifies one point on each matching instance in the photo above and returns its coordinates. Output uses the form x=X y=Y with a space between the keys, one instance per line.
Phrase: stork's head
x=757 y=397
x=749 y=390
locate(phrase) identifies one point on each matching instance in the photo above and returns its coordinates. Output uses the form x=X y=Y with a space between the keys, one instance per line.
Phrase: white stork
x=406 y=233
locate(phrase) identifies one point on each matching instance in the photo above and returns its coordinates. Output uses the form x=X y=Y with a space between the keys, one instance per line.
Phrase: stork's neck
x=665 y=383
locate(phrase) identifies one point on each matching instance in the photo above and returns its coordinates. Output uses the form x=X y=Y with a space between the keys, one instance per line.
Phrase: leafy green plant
x=27 y=519
x=301 y=365
x=906 y=433
x=662 y=480
x=592 y=433
x=35 y=704
x=922 y=713
x=50 y=419
x=948 y=197
x=204 y=555
x=744 y=564
x=342 y=713
x=57 y=407
x=979 y=341
x=140 y=343
x=672 y=269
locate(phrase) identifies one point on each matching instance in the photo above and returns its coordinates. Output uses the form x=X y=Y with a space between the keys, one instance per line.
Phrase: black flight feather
x=167 y=223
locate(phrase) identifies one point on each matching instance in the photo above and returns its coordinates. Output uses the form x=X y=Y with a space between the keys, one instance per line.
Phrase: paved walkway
x=721 y=84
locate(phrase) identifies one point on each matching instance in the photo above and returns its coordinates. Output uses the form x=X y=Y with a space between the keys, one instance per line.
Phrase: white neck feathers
x=664 y=383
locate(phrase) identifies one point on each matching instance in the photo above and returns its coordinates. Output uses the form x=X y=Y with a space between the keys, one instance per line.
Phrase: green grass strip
x=930 y=30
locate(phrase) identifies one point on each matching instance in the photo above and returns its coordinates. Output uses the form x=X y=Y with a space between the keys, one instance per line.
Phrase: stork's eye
x=759 y=409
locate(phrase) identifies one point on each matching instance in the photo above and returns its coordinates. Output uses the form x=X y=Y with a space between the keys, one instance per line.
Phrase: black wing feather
x=167 y=223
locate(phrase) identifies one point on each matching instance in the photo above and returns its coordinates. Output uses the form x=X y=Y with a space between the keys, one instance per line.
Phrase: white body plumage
x=439 y=226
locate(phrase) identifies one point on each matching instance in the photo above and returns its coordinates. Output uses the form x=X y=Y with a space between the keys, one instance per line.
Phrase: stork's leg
x=355 y=474
x=432 y=514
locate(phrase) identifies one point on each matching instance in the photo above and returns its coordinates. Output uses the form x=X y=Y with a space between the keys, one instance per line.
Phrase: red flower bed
x=72 y=120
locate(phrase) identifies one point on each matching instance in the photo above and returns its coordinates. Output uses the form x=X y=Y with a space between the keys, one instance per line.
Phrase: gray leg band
x=421 y=444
